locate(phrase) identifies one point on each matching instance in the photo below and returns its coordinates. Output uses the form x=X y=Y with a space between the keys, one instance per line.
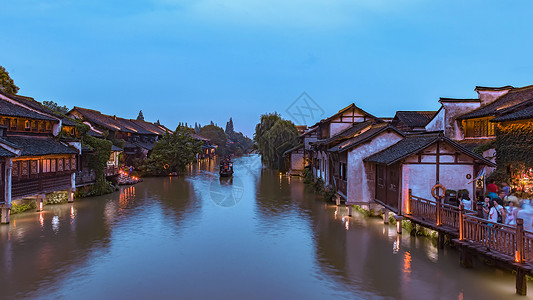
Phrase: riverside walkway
x=507 y=246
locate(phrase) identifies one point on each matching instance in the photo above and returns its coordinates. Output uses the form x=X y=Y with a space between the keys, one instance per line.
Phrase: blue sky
x=197 y=61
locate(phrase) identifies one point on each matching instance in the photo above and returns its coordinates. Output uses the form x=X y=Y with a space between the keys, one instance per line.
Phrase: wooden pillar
x=40 y=202
x=461 y=222
x=519 y=251
x=409 y=202
x=440 y=242
x=350 y=210
x=466 y=257
x=439 y=205
x=4 y=214
x=385 y=215
x=399 y=220
x=337 y=200
x=521 y=282
x=72 y=187
x=6 y=208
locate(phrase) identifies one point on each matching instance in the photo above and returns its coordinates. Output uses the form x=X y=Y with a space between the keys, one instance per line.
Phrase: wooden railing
x=423 y=209
x=505 y=241
x=111 y=170
x=30 y=187
x=496 y=237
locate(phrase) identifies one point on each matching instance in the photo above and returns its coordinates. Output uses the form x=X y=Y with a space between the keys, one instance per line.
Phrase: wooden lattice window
x=60 y=165
x=15 y=169
x=73 y=163
x=24 y=168
x=52 y=165
x=67 y=164
x=34 y=167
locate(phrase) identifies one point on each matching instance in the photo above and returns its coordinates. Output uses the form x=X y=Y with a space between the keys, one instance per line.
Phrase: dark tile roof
x=413 y=119
x=5 y=153
x=364 y=137
x=517 y=112
x=32 y=146
x=102 y=120
x=114 y=123
x=34 y=104
x=345 y=134
x=94 y=133
x=293 y=149
x=340 y=112
x=458 y=100
x=487 y=88
x=145 y=145
x=115 y=148
x=412 y=144
x=512 y=98
x=12 y=110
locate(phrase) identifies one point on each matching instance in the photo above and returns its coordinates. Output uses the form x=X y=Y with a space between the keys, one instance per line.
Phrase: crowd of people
x=501 y=205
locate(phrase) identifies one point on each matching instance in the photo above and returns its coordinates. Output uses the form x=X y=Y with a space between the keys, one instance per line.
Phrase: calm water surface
x=258 y=236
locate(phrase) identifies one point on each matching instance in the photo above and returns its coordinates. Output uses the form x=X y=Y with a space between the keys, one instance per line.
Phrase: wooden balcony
x=85 y=177
x=111 y=171
x=40 y=185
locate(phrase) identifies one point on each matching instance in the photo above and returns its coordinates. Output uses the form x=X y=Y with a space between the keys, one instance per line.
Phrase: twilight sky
x=202 y=60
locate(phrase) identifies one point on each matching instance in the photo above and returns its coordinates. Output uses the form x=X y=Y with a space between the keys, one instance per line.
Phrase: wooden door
x=393 y=181
x=381 y=194
x=387 y=185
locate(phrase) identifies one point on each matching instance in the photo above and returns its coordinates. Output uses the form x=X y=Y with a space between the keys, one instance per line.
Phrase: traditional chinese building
x=138 y=135
x=419 y=161
x=33 y=160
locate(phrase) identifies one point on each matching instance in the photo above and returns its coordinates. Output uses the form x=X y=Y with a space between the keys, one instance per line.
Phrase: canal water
x=256 y=236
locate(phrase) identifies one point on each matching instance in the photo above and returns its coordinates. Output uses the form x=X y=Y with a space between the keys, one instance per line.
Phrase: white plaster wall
x=452 y=111
x=487 y=97
x=437 y=123
x=297 y=162
x=358 y=189
x=335 y=128
x=308 y=140
x=421 y=178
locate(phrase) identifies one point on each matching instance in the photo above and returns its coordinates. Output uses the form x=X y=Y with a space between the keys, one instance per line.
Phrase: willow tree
x=273 y=137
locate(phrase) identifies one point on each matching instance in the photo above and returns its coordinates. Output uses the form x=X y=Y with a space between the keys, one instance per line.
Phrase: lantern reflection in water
x=126 y=197
x=407 y=266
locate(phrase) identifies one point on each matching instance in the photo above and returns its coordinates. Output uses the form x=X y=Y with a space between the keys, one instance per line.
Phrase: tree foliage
x=7 y=85
x=172 y=153
x=274 y=136
x=514 y=148
x=98 y=162
x=56 y=107
x=217 y=137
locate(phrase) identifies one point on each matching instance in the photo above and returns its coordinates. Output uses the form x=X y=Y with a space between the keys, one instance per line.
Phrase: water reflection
x=164 y=236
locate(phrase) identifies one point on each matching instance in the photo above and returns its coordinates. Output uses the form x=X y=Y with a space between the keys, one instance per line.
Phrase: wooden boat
x=226 y=168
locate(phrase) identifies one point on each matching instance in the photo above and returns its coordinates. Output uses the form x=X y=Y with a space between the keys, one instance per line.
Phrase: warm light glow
x=347 y=224
x=517 y=256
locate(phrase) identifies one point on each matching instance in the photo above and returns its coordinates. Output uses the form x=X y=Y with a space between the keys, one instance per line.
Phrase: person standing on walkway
x=512 y=210
x=506 y=189
x=493 y=212
x=492 y=188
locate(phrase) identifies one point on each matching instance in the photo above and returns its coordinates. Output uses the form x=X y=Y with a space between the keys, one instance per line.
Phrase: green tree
x=56 y=107
x=172 y=153
x=217 y=137
x=7 y=85
x=273 y=137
